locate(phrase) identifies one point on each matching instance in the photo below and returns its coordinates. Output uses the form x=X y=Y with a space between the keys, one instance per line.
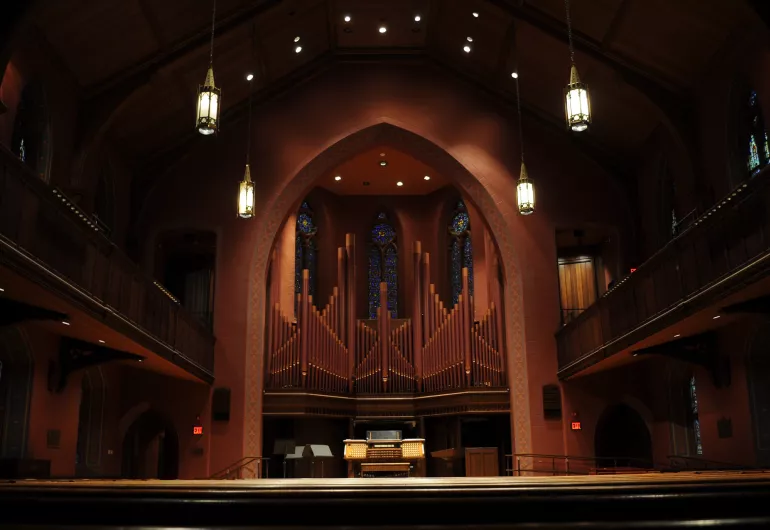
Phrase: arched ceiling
x=139 y=61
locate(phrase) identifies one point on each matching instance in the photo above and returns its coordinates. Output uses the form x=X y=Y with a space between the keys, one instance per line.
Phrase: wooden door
x=577 y=286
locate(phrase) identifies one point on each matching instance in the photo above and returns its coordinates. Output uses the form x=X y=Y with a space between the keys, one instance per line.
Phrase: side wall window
x=460 y=251
x=383 y=266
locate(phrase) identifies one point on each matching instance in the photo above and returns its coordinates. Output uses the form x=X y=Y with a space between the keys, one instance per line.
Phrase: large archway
x=622 y=438
x=432 y=154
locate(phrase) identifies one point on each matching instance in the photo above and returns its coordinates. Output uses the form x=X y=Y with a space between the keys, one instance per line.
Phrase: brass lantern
x=525 y=193
x=577 y=102
x=209 y=101
x=246 y=196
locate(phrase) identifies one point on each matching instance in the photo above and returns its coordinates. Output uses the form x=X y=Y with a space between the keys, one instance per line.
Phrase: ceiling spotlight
x=677 y=336
x=298 y=49
x=249 y=77
x=101 y=341
x=383 y=29
x=140 y=360
x=296 y=39
x=467 y=49
x=718 y=316
x=2 y=290
x=382 y=154
x=475 y=15
x=383 y=163
x=514 y=75
x=399 y=183
x=338 y=178
x=470 y=39
x=65 y=322
x=426 y=177
x=347 y=18
x=417 y=18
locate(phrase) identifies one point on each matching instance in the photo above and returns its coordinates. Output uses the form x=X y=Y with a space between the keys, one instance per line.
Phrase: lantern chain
x=569 y=32
x=213 y=25
x=521 y=129
x=251 y=92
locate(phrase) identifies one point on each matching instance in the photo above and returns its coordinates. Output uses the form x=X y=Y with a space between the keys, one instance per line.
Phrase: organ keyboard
x=384 y=453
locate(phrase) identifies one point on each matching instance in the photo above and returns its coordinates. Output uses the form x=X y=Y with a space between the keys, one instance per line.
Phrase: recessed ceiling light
x=65 y=322
x=337 y=178
x=677 y=336
x=426 y=177
x=101 y=341
x=399 y=183
x=514 y=75
x=249 y=77
x=2 y=290
x=140 y=360
x=298 y=49
x=470 y=39
x=383 y=29
x=475 y=15
x=296 y=39
x=467 y=49
x=718 y=316
x=347 y=18
x=383 y=163
x=382 y=154
x=417 y=18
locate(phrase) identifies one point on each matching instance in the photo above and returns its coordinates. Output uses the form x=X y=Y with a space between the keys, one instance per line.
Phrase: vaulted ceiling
x=139 y=61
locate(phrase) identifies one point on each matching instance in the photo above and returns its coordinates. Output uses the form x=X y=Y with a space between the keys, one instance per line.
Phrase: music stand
x=317 y=451
x=283 y=448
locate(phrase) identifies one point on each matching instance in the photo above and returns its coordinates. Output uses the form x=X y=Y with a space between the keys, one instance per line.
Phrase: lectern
x=284 y=448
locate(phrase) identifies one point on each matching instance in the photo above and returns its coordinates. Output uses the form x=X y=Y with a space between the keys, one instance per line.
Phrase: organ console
x=384 y=453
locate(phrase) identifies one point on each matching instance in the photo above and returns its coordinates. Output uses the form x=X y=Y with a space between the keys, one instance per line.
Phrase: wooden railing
x=46 y=237
x=248 y=467
x=722 y=250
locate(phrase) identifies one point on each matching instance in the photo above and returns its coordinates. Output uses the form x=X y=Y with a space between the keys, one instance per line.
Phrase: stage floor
x=445 y=483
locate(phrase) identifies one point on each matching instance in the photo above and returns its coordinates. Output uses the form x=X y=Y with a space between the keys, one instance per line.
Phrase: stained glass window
x=694 y=415
x=304 y=248
x=460 y=251
x=383 y=266
x=31 y=130
x=758 y=148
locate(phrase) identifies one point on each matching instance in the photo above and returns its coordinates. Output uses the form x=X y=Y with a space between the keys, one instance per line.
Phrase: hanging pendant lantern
x=208 y=105
x=246 y=196
x=525 y=193
x=209 y=96
x=578 y=104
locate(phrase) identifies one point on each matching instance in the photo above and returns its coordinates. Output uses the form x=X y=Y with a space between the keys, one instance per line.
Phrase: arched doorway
x=15 y=391
x=151 y=448
x=622 y=438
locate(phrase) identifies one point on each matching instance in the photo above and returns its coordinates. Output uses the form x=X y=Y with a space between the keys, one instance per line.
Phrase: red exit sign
x=576 y=426
x=198 y=429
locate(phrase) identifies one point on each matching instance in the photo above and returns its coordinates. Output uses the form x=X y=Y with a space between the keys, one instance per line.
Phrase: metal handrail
x=567 y=460
x=709 y=464
x=235 y=470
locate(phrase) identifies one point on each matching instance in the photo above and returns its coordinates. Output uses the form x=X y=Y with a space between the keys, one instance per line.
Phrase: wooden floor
x=394 y=484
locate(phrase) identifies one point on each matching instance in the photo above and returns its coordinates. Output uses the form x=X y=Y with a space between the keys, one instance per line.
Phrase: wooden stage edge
x=653 y=500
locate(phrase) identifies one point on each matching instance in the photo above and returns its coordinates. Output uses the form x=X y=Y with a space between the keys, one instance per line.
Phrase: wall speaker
x=220 y=404
x=552 y=402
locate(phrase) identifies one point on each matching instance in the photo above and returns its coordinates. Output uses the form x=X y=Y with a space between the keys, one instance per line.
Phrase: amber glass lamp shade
x=246 y=196
x=209 y=102
x=525 y=193
x=577 y=103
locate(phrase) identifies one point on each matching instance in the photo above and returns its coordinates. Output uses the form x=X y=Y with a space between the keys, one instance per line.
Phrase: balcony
x=713 y=261
x=48 y=242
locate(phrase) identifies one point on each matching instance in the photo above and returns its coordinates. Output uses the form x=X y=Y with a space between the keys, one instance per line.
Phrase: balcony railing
x=41 y=231
x=718 y=253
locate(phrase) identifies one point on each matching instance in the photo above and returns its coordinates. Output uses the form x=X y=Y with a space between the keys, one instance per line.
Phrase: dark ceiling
x=139 y=61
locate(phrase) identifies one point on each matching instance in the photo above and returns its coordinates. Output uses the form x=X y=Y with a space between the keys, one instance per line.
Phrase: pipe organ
x=440 y=348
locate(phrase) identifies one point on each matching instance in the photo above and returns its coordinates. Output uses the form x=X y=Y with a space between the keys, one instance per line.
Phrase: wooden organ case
x=383 y=454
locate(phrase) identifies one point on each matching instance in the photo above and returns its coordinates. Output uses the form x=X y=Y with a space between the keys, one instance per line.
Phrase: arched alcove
x=15 y=392
x=622 y=438
x=296 y=188
x=151 y=448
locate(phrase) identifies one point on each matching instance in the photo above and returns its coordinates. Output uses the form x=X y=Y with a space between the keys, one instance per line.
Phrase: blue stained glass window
x=694 y=413
x=383 y=266
x=304 y=248
x=460 y=251
x=758 y=149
